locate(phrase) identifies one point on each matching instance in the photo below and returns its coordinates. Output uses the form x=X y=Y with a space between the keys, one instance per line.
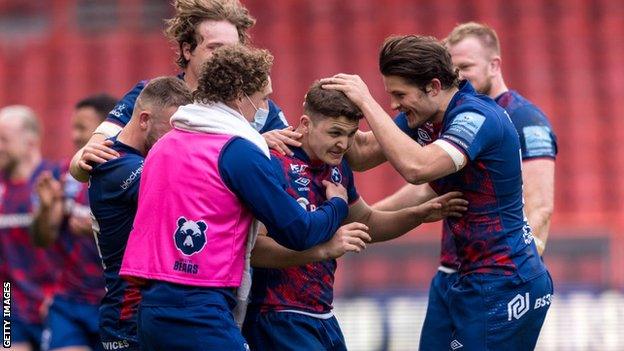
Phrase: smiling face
x=327 y=139
x=410 y=99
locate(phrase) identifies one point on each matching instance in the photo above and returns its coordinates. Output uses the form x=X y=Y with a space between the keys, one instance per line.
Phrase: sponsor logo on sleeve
x=538 y=141
x=466 y=126
x=118 y=110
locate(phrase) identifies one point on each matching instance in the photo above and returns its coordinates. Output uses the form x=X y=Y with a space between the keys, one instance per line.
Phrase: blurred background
x=565 y=56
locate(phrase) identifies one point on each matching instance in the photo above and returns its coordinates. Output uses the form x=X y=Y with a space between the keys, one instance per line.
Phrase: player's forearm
x=409 y=195
x=309 y=228
x=74 y=169
x=388 y=225
x=45 y=226
x=365 y=153
x=405 y=155
x=105 y=130
x=538 y=177
x=267 y=253
x=539 y=220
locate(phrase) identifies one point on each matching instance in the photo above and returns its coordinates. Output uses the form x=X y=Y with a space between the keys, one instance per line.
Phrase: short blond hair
x=486 y=35
x=182 y=28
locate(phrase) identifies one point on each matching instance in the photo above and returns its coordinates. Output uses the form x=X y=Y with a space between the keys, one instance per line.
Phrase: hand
x=97 y=153
x=350 y=237
x=279 y=139
x=49 y=190
x=448 y=205
x=335 y=190
x=351 y=85
x=80 y=225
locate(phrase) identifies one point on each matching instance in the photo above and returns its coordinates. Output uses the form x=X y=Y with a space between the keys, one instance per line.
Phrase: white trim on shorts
x=327 y=315
x=447 y=270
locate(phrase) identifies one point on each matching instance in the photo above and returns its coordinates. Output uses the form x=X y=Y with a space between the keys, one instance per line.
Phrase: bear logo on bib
x=190 y=236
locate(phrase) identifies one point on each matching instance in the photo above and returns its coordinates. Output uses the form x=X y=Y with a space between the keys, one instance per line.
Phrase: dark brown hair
x=182 y=28
x=101 y=103
x=322 y=103
x=232 y=71
x=418 y=60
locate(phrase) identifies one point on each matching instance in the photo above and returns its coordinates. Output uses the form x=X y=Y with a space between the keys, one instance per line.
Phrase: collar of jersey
x=464 y=88
x=299 y=154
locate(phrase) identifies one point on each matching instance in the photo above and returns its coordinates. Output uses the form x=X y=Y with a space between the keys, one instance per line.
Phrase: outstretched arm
x=267 y=253
x=415 y=163
x=409 y=195
x=387 y=225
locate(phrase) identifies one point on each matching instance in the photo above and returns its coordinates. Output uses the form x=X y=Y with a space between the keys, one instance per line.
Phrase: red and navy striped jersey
x=81 y=278
x=493 y=235
x=307 y=288
x=31 y=270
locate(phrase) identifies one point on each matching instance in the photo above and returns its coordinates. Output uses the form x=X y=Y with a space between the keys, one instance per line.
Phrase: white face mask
x=260 y=117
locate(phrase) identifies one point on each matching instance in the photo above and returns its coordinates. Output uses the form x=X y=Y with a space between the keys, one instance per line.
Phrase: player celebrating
x=198 y=28
x=113 y=195
x=475 y=51
x=31 y=271
x=194 y=220
x=298 y=301
x=501 y=274
x=64 y=217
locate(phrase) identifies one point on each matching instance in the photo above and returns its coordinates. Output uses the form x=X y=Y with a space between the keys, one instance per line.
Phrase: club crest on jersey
x=336 y=177
x=190 y=236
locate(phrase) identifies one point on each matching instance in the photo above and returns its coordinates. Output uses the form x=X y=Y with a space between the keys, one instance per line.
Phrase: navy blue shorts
x=117 y=333
x=25 y=332
x=292 y=331
x=498 y=312
x=174 y=317
x=72 y=323
x=438 y=326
